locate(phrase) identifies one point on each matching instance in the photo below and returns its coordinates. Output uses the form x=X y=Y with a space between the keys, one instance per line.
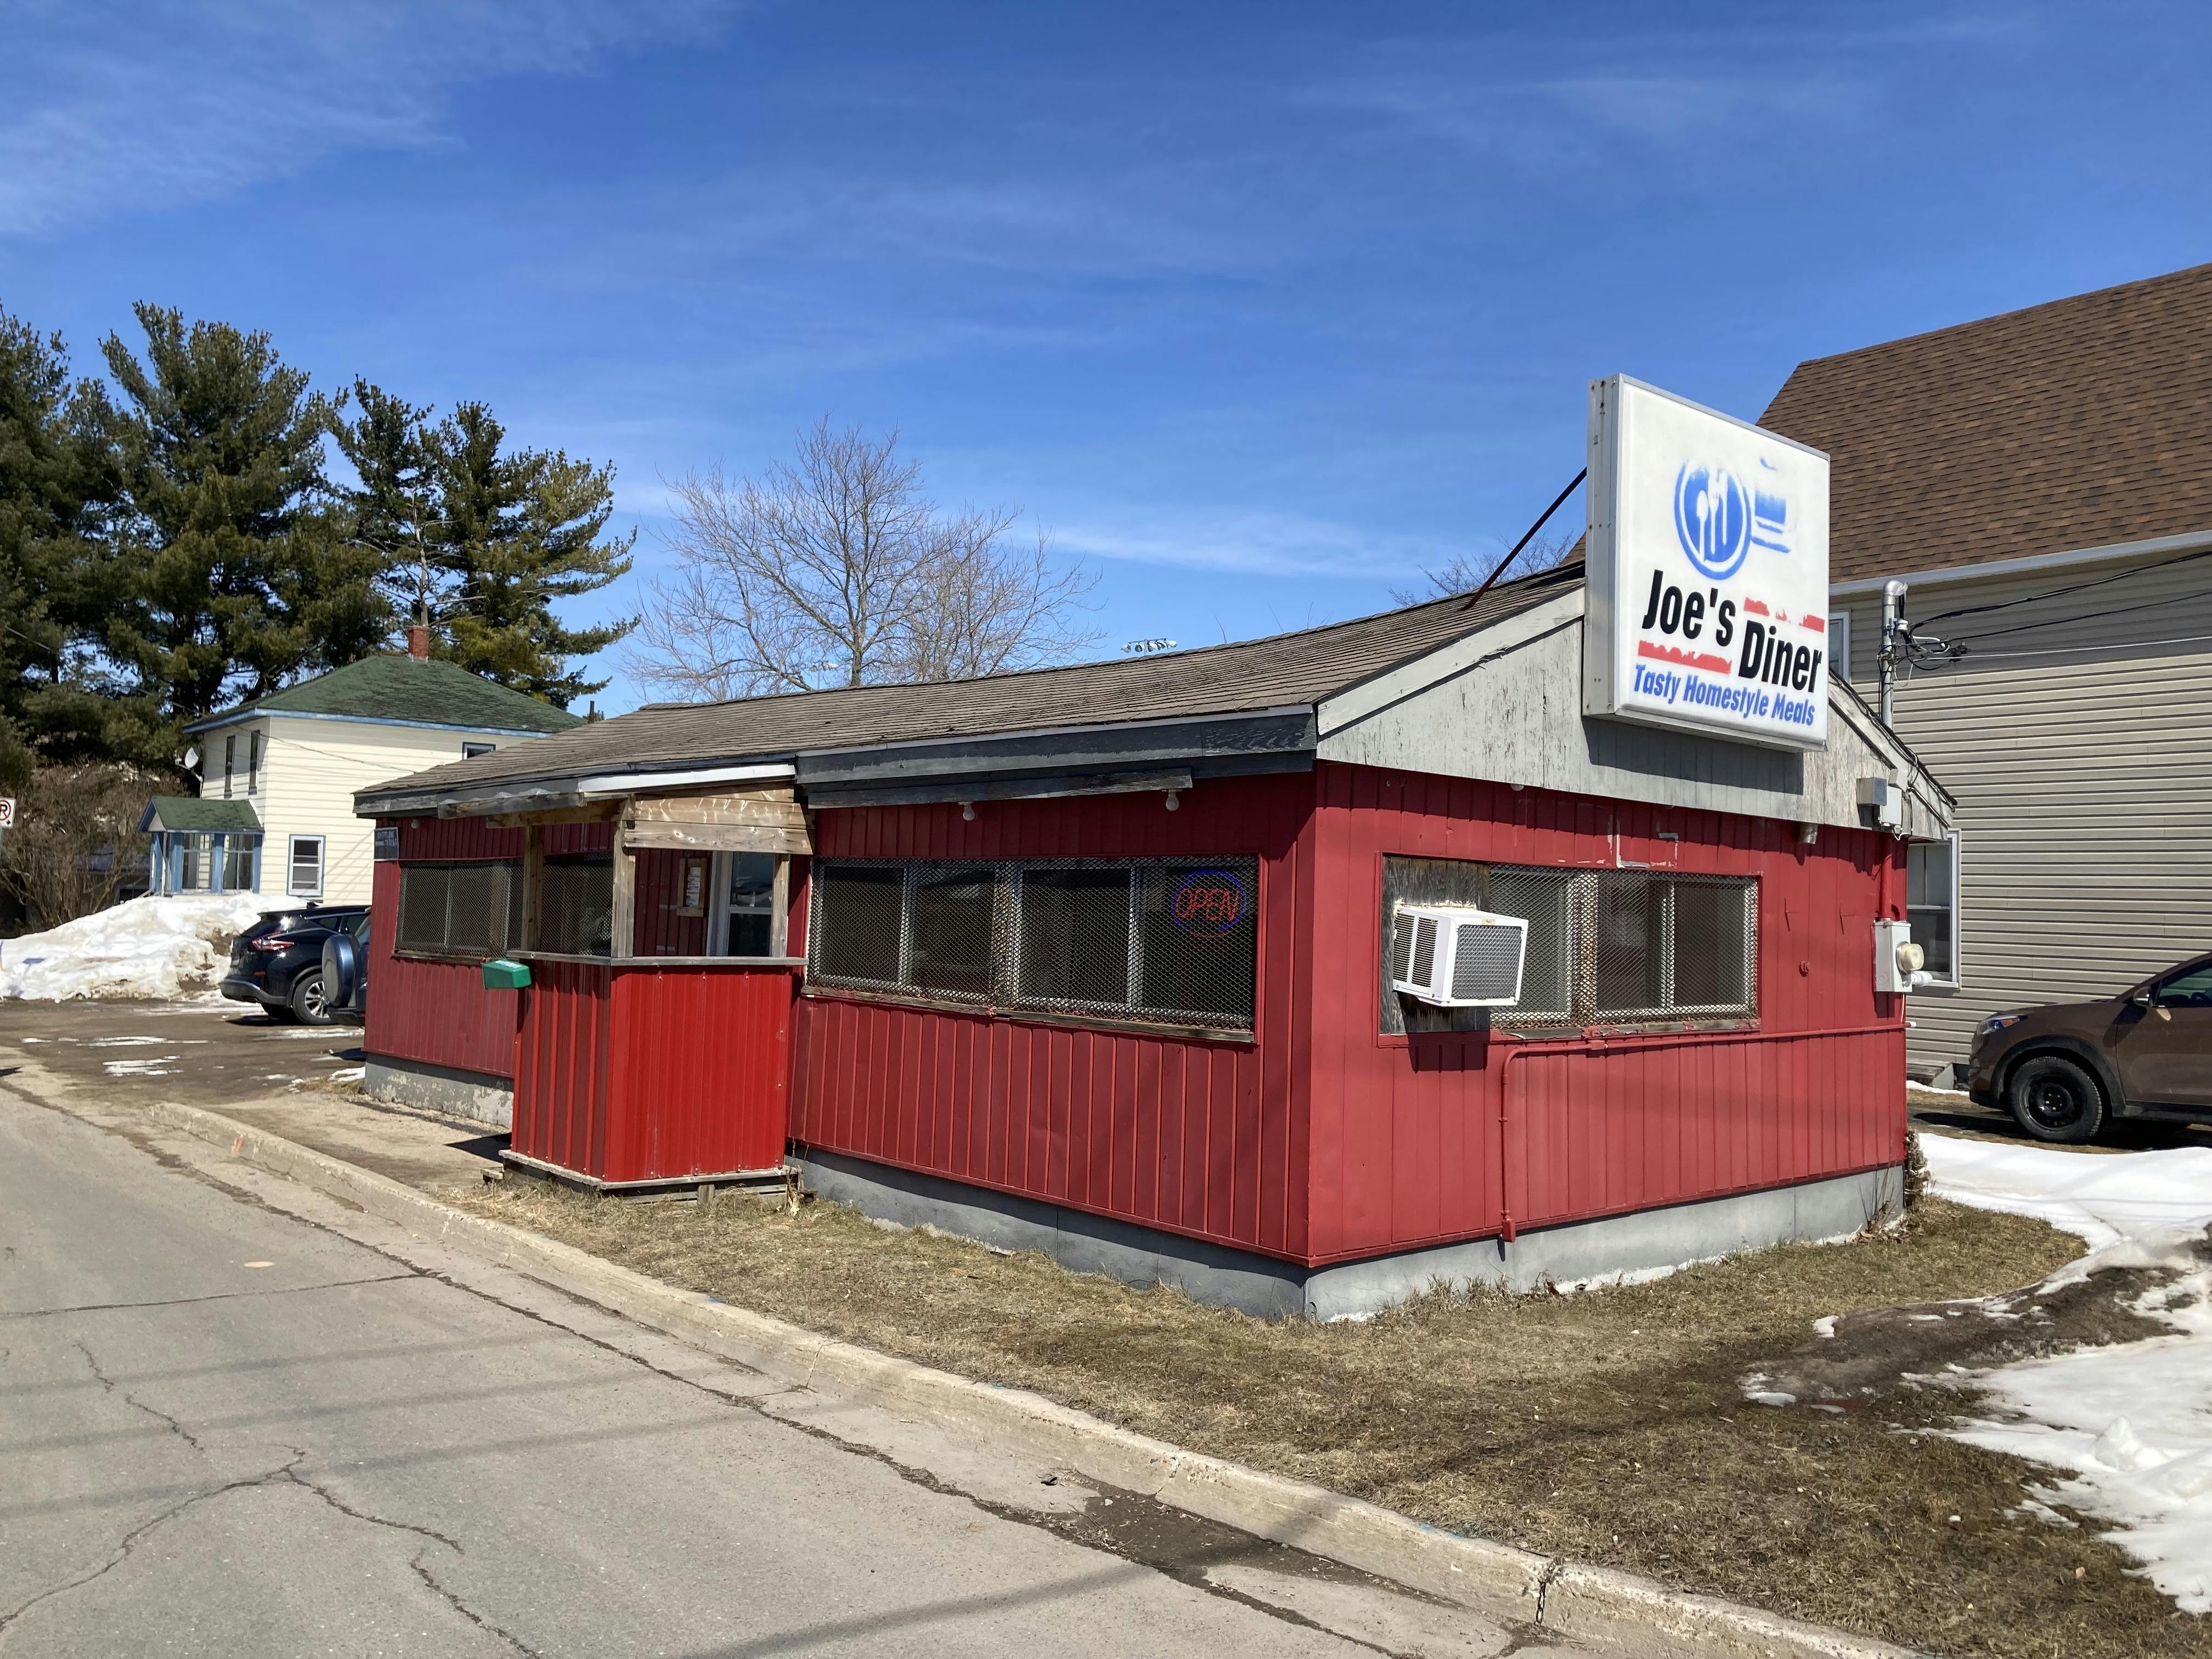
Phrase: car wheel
x=2056 y=1100
x=309 y=1005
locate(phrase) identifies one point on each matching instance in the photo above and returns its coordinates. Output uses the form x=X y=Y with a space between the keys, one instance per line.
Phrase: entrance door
x=2164 y=1051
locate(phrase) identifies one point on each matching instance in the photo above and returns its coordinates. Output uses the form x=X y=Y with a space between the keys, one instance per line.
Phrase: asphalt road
x=237 y=1419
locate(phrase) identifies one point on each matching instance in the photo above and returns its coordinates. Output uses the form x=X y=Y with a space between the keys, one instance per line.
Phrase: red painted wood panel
x=658 y=929
x=440 y=1013
x=437 y=1013
x=1409 y=1135
x=646 y=1073
x=1194 y=1136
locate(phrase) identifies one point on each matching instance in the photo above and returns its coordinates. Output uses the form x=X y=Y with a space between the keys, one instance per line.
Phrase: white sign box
x=1708 y=557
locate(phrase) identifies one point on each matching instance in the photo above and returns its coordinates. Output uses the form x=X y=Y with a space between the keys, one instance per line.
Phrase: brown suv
x=2065 y=1072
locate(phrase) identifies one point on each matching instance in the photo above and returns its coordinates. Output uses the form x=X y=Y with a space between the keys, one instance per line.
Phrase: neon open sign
x=1208 y=904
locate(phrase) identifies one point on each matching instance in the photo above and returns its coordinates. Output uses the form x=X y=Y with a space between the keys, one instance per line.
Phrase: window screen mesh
x=1171 y=941
x=469 y=909
x=855 y=937
x=422 y=890
x=578 y=908
x=950 y=946
x=1545 y=898
x=1605 y=947
x=1075 y=937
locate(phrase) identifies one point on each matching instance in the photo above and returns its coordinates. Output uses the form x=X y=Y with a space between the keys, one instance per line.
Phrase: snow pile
x=2133 y=1422
x=160 y=945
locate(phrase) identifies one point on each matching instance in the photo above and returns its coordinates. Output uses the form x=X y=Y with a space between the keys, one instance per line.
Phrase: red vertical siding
x=440 y=1013
x=645 y=1073
x=660 y=930
x=1194 y=1136
x=1425 y=1138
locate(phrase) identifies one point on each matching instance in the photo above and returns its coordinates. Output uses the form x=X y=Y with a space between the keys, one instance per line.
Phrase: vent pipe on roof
x=418 y=641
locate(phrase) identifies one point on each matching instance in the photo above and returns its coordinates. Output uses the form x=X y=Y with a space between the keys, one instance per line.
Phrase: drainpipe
x=1894 y=626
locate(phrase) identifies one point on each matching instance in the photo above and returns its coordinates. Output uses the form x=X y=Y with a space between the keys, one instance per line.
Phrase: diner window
x=460 y=909
x=1160 y=941
x=1605 y=947
x=1931 y=905
x=471 y=751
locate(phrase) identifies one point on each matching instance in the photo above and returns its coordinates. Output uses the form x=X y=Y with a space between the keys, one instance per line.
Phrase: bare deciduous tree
x=76 y=843
x=837 y=570
x=1464 y=575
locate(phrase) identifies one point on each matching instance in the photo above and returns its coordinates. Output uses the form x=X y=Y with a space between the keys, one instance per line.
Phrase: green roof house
x=278 y=775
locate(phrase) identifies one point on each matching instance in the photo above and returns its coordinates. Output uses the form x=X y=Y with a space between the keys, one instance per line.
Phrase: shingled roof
x=2083 y=424
x=409 y=690
x=1282 y=672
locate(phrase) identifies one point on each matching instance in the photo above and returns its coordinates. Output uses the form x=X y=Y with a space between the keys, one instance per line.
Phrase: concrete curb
x=1593 y=1605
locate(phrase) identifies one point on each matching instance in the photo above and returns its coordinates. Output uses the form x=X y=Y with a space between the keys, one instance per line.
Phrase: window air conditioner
x=1456 y=957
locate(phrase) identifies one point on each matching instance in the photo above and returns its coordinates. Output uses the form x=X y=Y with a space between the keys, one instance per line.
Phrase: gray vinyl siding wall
x=2080 y=755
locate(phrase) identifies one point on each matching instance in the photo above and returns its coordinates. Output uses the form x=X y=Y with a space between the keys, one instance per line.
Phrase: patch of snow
x=351 y=1074
x=157 y=1066
x=1825 y=1326
x=161 y=945
x=1773 y=1397
x=2133 y=1421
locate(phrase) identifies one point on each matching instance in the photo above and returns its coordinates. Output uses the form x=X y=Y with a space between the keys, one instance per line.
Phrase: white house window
x=1931 y=905
x=306 y=867
x=253 y=762
x=229 y=762
x=471 y=751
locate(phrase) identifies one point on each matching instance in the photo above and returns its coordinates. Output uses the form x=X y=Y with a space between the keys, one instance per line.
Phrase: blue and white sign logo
x=1712 y=517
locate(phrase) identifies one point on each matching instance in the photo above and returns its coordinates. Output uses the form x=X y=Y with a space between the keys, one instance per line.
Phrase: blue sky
x=1258 y=309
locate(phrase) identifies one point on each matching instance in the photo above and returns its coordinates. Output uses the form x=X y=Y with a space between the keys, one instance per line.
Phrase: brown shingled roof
x=2080 y=423
x=1283 y=670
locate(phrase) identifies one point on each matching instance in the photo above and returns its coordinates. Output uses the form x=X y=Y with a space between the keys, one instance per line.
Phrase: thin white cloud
x=173 y=102
x=1257 y=543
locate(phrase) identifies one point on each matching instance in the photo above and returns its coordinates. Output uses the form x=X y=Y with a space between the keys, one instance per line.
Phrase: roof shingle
x=2085 y=423
x=400 y=688
x=1279 y=671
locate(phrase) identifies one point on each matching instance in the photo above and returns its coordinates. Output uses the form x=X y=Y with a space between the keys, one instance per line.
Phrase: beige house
x=277 y=777
x=2042 y=484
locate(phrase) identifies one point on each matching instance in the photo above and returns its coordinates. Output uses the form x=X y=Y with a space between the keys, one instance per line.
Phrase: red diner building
x=1104 y=960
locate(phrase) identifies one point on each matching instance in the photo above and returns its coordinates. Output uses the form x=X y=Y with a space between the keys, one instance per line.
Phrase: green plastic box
x=501 y=975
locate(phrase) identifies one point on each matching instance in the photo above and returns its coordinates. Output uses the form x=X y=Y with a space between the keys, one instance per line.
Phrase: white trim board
x=2116 y=553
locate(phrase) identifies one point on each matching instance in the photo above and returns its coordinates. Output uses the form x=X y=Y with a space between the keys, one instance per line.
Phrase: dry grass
x=1607 y=1427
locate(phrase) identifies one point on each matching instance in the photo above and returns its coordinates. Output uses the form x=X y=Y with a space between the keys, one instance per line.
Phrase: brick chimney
x=418 y=641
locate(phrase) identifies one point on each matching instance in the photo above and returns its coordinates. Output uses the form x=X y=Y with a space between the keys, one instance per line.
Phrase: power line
x=2061 y=592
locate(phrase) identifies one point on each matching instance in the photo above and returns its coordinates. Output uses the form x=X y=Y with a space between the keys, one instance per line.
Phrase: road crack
x=160 y=1416
x=131 y=1539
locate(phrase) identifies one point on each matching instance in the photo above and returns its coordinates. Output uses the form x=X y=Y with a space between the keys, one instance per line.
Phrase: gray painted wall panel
x=1517 y=716
x=2080 y=754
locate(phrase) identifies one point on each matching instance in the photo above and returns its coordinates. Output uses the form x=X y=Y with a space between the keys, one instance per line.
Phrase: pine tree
x=482 y=543
x=239 y=577
x=57 y=484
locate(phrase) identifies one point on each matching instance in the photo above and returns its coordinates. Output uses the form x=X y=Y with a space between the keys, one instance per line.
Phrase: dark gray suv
x=2066 y=1070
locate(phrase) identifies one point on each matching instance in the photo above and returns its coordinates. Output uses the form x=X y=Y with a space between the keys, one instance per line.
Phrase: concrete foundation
x=1645 y=1244
x=478 y=1094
